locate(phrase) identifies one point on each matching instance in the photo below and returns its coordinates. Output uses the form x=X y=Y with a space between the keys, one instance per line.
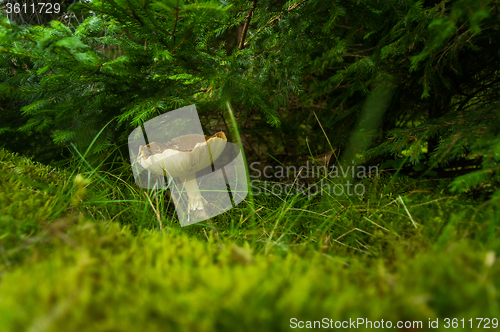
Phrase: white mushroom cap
x=183 y=156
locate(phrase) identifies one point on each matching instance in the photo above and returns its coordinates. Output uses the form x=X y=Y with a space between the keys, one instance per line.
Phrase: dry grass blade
x=330 y=144
x=157 y=213
x=408 y=212
x=251 y=214
x=385 y=229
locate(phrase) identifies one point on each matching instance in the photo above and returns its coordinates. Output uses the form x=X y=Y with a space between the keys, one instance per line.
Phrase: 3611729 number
x=484 y=323
x=41 y=8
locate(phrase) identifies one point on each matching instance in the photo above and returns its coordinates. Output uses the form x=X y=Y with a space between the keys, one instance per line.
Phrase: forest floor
x=86 y=253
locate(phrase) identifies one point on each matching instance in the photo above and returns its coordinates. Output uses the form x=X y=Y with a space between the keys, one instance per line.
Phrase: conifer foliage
x=132 y=60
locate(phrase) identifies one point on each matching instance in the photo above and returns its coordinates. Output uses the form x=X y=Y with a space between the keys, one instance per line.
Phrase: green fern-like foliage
x=445 y=108
x=72 y=89
x=294 y=64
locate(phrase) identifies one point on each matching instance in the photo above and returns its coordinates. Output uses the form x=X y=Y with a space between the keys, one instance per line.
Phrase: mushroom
x=182 y=158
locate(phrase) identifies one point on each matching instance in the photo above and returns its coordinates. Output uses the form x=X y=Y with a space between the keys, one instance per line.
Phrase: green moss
x=114 y=280
x=341 y=258
x=28 y=199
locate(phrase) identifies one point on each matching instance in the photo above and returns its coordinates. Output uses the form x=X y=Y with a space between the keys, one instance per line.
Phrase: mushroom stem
x=195 y=199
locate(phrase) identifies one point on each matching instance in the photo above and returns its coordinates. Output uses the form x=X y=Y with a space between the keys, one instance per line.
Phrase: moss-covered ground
x=82 y=250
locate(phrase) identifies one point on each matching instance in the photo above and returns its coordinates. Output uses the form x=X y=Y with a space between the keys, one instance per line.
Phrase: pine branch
x=245 y=27
x=275 y=19
x=176 y=19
